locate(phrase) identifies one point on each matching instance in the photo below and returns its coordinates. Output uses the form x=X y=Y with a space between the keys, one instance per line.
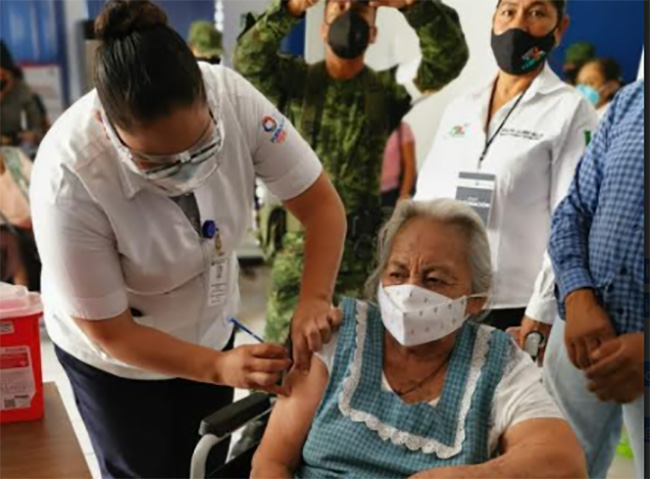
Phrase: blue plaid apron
x=338 y=446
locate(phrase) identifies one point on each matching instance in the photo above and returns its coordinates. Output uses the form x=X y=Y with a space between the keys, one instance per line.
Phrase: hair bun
x=121 y=18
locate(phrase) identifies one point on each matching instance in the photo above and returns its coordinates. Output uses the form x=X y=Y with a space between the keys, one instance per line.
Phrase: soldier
x=205 y=41
x=346 y=111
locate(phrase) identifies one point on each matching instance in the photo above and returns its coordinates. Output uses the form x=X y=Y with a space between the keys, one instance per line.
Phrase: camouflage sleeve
x=444 y=54
x=443 y=45
x=258 y=59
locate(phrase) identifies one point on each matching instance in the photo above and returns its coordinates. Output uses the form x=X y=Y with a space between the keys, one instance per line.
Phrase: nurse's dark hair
x=560 y=6
x=143 y=69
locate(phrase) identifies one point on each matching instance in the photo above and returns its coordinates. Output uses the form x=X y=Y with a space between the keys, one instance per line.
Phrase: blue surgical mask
x=590 y=93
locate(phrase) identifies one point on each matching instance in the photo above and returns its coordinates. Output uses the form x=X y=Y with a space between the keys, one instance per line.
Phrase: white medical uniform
x=110 y=240
x=534 y=158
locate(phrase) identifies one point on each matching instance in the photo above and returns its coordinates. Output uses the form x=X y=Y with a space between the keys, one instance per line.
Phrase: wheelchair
x=219 y=426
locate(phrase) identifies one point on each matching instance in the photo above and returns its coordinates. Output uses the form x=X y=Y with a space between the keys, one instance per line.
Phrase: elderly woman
x=414 y=387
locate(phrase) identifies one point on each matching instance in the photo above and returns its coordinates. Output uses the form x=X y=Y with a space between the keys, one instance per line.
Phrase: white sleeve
x=77 y=247
x=542 y=305
x=520 y=395
x=282 y=158
x=327 y=353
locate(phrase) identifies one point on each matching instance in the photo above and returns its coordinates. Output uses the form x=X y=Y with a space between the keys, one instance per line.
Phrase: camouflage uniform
x=342 y=133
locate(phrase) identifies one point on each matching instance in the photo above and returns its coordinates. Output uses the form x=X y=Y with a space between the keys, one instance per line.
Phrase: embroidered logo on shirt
x=269 y=124
x=524 y=134
x=458 y=131
x=275 y=126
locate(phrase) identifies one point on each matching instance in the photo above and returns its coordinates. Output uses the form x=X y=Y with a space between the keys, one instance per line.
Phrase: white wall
x=398 y=44
x=234 y=12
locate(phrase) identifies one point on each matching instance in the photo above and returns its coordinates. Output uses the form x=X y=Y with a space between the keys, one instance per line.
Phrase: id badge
x=218 y=282
x=477 y=190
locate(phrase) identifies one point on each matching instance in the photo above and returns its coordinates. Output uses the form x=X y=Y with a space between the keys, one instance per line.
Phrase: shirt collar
x=130 y=183
x=546 y=82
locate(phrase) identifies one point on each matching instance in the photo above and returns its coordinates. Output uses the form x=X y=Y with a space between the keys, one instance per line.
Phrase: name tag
x=477 y=190
x=218 y=282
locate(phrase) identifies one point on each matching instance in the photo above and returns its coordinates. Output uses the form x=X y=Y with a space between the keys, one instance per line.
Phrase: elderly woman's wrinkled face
x=435 y=256
x=432 y=255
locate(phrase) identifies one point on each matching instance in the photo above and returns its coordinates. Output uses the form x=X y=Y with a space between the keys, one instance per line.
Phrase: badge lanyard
x=490 y=140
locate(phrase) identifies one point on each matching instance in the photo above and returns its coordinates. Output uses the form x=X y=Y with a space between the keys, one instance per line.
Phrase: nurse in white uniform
x=140 y=194
x=510 y=149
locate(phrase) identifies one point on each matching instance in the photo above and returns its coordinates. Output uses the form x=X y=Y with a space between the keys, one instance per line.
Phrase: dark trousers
x=505 y=318
x=142 y=428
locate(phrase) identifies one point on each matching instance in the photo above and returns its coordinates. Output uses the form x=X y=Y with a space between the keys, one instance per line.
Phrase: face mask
x=177 y=174
x=518 y=52
x=181 y=178
x=414 y=315
x=349 y=35
x=590 y=93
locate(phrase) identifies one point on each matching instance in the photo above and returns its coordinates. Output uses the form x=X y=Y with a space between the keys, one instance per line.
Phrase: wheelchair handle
x=225 y=421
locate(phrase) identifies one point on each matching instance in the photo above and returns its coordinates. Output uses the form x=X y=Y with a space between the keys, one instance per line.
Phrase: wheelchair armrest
x=227 y=420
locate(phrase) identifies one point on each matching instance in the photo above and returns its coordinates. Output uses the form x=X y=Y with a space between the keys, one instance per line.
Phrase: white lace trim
x=386 y=431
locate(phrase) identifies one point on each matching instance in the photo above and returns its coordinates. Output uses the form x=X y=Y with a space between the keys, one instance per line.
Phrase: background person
x=205 y=41
x=576 y=55
x=140 y=196
x=398 y=170
x=406 y=389
x=594 y=365
x=346 y=112
x=522 y=134
x=599 y=80
x=21 y=119
x=15 y=174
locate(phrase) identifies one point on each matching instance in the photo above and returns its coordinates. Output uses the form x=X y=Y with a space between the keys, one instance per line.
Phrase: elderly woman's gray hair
x=447 y=211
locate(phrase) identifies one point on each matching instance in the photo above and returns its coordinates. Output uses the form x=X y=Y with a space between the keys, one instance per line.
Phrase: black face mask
x=349 y=35
x=518 y=52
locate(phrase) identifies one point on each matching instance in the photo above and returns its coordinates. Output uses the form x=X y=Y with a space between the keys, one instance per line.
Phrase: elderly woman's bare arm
x=281 y=449
x=537 y=448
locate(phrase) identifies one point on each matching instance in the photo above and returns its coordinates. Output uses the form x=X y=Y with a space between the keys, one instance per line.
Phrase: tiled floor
x=253 y=288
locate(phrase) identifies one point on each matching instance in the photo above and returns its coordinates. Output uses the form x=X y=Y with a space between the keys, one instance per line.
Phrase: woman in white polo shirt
x=140 y=194
x=510 y=149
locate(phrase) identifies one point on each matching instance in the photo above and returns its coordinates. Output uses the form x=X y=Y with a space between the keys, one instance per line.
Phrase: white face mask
x=414 y=315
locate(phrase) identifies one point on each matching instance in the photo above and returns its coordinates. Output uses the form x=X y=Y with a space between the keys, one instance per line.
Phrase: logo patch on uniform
x=458 y=130
x=269 y=124
x=275 y=126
